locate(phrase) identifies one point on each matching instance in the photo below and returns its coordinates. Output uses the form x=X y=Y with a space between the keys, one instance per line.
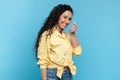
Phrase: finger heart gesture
x=74 y=28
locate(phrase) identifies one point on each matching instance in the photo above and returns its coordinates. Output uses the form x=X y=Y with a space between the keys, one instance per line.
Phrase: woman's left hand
x=74 y=28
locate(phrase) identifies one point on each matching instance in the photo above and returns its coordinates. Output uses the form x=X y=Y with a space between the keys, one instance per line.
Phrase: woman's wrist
x=72 y=34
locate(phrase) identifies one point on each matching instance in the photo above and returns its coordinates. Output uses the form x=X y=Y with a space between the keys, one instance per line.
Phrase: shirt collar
x=58 y=34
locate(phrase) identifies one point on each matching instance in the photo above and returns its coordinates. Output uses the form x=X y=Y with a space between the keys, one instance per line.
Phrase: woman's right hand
x=74 y=28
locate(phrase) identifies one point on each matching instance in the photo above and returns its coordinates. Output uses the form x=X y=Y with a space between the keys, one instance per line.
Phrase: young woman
x=54 y=48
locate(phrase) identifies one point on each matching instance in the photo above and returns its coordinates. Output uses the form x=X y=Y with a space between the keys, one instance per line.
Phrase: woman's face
x=64 y=19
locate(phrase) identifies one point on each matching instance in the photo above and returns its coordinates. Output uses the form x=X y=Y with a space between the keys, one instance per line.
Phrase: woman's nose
x=67 y=21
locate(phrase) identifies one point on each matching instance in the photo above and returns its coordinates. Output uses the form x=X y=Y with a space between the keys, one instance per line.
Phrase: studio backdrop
x=98 y=32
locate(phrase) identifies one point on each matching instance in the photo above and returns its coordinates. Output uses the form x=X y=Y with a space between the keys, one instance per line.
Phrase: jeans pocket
x=51 y=74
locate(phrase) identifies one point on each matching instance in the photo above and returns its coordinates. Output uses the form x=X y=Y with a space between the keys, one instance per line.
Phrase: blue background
x=99 y=28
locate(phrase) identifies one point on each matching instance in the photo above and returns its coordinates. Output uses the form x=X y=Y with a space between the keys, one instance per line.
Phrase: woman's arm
x=43 y=72
x=73 y=35
x=43 y=60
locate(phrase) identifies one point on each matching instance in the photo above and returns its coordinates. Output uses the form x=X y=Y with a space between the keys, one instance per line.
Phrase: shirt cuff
x=41 y=65
x=77 y=51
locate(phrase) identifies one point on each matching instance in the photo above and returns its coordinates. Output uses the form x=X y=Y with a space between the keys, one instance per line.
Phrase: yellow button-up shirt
x=56 y=51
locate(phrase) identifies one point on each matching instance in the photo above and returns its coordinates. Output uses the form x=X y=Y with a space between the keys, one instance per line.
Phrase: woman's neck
x=58 y=29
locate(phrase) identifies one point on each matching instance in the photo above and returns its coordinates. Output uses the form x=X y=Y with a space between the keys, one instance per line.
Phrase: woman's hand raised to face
x=74 y=28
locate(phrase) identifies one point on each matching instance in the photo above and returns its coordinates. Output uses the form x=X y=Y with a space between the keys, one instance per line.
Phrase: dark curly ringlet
x=52 y=20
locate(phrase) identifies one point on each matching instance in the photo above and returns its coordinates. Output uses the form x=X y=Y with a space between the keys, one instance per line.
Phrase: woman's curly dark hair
x=52 y=20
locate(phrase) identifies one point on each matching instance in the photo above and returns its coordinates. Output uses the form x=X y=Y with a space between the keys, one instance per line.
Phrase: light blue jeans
x=51 y=74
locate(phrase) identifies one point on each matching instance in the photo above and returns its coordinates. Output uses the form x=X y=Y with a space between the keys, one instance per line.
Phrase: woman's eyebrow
x=67 y=16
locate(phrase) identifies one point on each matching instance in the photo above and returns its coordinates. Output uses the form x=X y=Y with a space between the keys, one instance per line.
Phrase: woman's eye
x=70 y=19
x=65 y=17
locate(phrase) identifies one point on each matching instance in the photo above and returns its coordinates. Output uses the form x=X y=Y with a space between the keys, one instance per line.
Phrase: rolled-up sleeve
x=77 y=51
x=43 y=52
